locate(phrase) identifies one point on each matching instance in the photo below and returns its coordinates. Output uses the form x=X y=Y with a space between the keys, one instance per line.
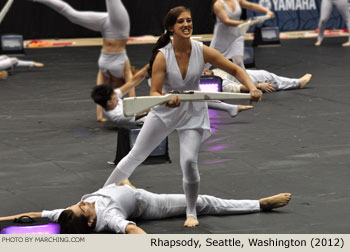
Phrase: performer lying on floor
x=9 y=63
x=263 y=80
x=112 y=207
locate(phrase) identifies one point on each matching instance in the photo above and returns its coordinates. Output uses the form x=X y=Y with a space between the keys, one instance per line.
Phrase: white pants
x=157 y=206
x=7 y=62
x=326 y=10
x=113 y=22
x=151 y=135
x=279 y=82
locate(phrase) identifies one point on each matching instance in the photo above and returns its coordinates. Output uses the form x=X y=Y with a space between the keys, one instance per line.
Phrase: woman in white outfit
x=263 y=80
x=9 y=63
x=177 y=65
x=113 y=209
x=114 y=25
x=226 y=37
x=325 y=13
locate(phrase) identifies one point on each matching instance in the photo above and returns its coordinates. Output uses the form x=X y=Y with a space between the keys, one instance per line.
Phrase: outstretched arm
x=133 y=229
x=135 y=80
x=256 y=7
x=30 y=214
x=99 y=111
x=216 y=59
x=127 y=77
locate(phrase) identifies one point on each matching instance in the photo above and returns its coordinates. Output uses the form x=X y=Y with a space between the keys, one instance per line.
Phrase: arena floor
x=53 y=151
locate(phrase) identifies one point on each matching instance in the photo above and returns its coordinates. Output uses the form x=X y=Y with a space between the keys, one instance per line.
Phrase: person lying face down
x=263 y=80
x=112 y=208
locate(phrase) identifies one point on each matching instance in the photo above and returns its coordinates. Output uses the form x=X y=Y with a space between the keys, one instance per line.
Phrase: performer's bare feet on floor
x=191 y=222
x=275 y=201
x=318 y=43
x=36 y=64
x=243 y=107
x=304 y=80
x=346 y=44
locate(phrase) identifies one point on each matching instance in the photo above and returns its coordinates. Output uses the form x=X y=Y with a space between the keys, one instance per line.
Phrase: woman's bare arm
x=220 y=12
x=30 y=214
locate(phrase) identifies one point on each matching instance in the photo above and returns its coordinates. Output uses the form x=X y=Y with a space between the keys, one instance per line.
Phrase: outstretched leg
x=88 y=19
x=151 y=135
x=118 y=18
x=231 y=109
x=278 y=82
x=158 y=206
x=29 y=64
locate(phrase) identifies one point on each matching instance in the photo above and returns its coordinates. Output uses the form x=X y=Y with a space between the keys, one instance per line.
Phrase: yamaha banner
x=292 y=15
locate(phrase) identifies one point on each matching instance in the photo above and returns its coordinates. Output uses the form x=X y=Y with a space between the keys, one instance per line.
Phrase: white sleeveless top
x=189 y=115
x=226 y=38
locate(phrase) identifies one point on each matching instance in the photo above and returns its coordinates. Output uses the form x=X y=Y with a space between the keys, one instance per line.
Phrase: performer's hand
x=267 y=87
x=271 y=14
x=173 y=103
x=256 y=95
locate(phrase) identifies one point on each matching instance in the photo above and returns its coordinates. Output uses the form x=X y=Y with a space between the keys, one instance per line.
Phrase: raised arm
x=216 y=59
x=220 y=12
x=128 y=76
x=30 y=214
x=134 y=81
x=256 y=7
x=99 y=111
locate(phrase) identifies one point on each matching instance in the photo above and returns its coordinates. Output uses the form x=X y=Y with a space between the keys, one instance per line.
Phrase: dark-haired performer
x=111 y=99
x=114 y=26
x=112 y=207
x=177 y=65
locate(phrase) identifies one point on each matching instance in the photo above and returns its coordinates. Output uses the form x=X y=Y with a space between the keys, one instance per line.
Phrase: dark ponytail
x=213 y=16
x=164 y=39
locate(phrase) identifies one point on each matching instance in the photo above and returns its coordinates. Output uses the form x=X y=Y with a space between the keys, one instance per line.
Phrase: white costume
x=190 y=119
x=116 y=115
x=231 y=84
x=8 y=63
x=114 y=24
x=326 y=11
x=227 y=39
x=115 y=205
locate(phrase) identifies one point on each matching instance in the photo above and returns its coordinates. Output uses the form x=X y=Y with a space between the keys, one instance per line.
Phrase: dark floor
x=53 y=151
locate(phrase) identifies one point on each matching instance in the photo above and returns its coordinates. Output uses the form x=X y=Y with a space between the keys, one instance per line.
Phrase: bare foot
x=244 y=107
x=38 y=64
x=346 y=44
x=318 y=43
x=191 y=222
x=3 y=75
x=304 y=80
x=275 y=201
x=102 y=120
